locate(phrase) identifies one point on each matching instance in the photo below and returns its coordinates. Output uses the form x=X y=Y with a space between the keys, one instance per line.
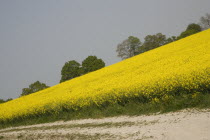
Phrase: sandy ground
x=182 y=125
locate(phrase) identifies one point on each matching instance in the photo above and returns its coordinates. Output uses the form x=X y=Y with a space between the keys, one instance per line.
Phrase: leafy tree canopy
x=1 y=101
x=152 y=42
x=171 y=39
x=70 y=70
x=205 y=21
x=4 y=101
x=92 y=63
x=191 y=29
x=9 y=99
x=34 y=87
x=128 y=47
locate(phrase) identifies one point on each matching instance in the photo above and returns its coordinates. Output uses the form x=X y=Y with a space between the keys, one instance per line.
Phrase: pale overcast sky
x=38 y=36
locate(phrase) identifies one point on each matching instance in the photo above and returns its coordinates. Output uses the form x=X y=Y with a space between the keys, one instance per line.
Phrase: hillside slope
x=183 y=65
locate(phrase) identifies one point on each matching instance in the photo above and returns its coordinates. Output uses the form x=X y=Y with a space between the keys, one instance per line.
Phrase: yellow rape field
x=184 y=64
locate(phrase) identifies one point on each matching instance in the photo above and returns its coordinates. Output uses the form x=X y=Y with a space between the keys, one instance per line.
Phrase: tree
x=171 y=39
x=34 y=87
x=9 y=99
x=194 y=26
x=152 y=42
x=128 y=47
x=205 y=21
x=92 y=63
x=191 y=29
x=1 y=101
x=70 y=70
x=4 y=101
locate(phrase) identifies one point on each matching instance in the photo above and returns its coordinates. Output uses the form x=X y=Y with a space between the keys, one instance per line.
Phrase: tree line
x=4 y=101
x=128 y=48
x=70 y=70
x=133 y=46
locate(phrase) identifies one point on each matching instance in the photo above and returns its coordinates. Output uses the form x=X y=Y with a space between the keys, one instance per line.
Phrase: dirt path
x=182 y=125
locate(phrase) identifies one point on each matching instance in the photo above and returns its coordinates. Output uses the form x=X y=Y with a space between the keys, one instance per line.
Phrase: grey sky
x=37 y=37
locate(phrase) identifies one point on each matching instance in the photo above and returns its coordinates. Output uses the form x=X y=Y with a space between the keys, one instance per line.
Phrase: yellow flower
x=181 y=64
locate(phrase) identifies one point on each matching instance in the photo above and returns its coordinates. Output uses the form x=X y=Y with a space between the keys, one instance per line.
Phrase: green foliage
x=1 y=101
x=34 y=87
x=187 y=33
x=205 y=21
x=92 y=63
x=4 y=101
x=191 y=29
x=171 y=39
x=73 y=69
x=128 y=47
x=152 y=42
x=194 y=26
x=70 y=70
x=9 y=99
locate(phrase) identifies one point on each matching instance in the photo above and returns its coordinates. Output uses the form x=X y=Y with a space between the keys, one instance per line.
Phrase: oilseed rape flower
x=184 y=64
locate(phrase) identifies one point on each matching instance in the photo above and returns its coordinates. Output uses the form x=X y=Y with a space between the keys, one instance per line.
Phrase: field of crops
x=183 y=65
